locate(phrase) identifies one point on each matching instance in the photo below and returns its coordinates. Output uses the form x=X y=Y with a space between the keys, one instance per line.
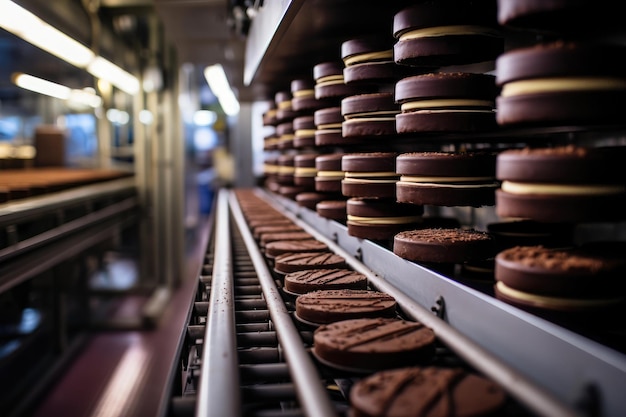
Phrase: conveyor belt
x=248 y=356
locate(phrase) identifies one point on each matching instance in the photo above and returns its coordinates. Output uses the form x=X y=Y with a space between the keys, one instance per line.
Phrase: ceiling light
x=216 y=78
x=29 y=27
x=48 y=88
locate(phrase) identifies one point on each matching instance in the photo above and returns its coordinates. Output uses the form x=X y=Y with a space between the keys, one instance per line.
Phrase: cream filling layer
x=381 y=114
x=369 y=119
x=450 y=102
x=329 y=80
x=330 y=174
x=270 y=169
x=409 y=178
x=304 y=132
x=285 y=138
x=443 y=185
x=284 y=104
x=384 y=220
x=305 y=172
x=370 y=174
x=545 y=85
x=546 y=301
x=369 y=56
x=303 y=93
x=448 y=30
x=329 y=126
x=561 y=189
x=286 y=170
x=453 y=111
x=272 y=141
x=366 y=181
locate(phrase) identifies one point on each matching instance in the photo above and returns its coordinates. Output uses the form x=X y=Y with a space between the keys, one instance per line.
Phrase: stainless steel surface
x=311 y=393
x=218 y=391
x=549 y=358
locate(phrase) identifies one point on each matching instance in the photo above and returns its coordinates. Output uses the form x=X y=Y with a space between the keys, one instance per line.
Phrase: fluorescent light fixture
x=119 y=117
x=29 y=27
x=48 y=88
x=146 y=117
x=107 y=70
x=216 y=78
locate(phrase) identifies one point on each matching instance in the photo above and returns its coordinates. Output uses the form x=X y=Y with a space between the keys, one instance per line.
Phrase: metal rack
x=247 y=355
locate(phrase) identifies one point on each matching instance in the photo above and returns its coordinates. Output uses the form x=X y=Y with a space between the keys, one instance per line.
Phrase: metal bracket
x=359 y=255
x=439 y=308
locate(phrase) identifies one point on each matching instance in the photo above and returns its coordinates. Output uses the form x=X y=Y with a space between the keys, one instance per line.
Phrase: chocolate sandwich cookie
x=448 y=32
x=284 y=109
x=293 y=262
x=272 y=227
x=332 y=209
x=329 y=81
x=369 y=115
x=561 y=83
x=279 y=247
x=254 y=223
x=446 y=178
x=369 y=60
x=426 y=392
x=304 y=132
x=369 y=174
x=305 y=171
x=373 y=344
x=303 y=96
x=309 y=199
x=559 y=16
x=329 y=174
x=328 y=306
x=268 y=117
x=575 y=285
x=453 y=246
x=380 y=219
x=328 y=126
x=446 y=102
x=285 y=134
x=531 y=233
x=562 y=184
x=286 y=169
x=326 y=278
x=270 y=142
x=270 y=168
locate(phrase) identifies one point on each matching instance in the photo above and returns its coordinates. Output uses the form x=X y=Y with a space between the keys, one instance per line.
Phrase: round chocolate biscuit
x=286 y=227
x=332 y=209
x=369 y=59
x=446 y=178
x=310 y=199
x=426 y=392
x=329 y=173
x=304 y=132
x=293 y=262
x=559 y=16
x=291 y=191
x=305 y=171
x=329 y=81
x=561 y=83
x=326 y=278
x=303 y=92
x=276 y=248
x=286 y=169
x=370 y=174
x=380 y=219
x=266 y=238
x=446 y=102
x=448 y=32
x=372 y=344
x=562 y=184
x=444 y=245
x=327 y=306
x=575 y=272
x=369 y=115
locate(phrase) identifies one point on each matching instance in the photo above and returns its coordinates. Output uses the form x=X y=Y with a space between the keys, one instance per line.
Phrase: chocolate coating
x=332 y=209
x=327 y=306
x=374 y=343
x=572 y=272
x=444 y=245
x=293 y=262
x=425 y=392
x=446 y=85
x=273 y=249
x=369 y=162
x=324 y=278
x=266 y=238
x=310 y=199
